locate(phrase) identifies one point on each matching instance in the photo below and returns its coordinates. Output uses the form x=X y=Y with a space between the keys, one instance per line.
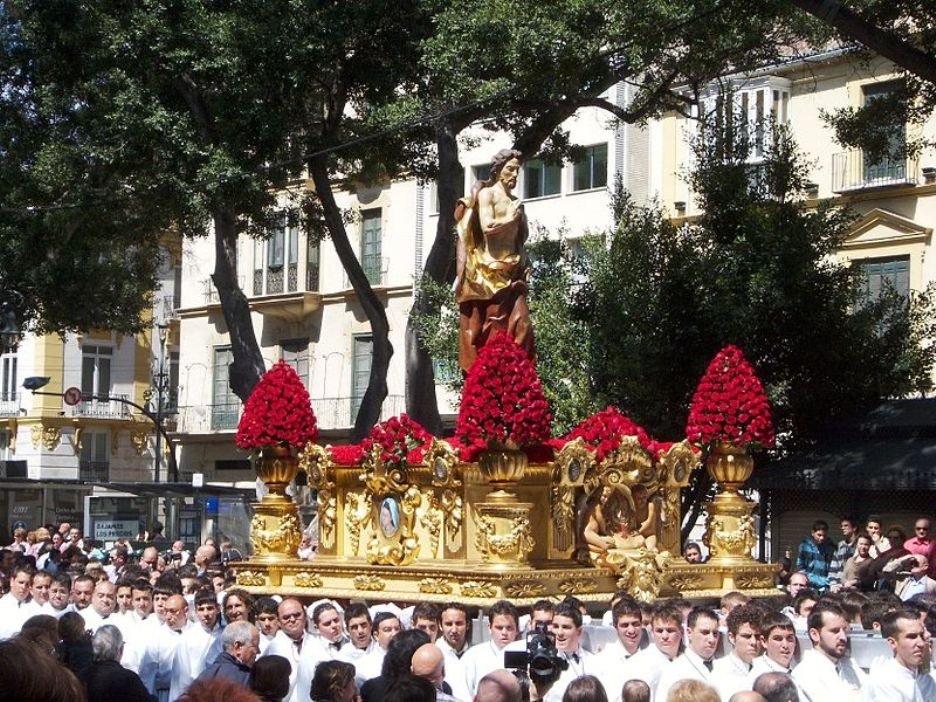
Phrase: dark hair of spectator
x=697 y=613
x=321 y=609
x=820 y=524
x=776 y=687
x=635 y=691
x=426 y=610
x=71 y=627
x=42 y=630
x=745 y=614
x=35 y=676
x=586 y=688
x=890 y=626
x=168 y=584
x=330 y=678
x=399 y=656
x=668 y=613
x=815 y=617
x=217 y=690
x=503 y=608
x=206 y=597
x=269 y=678
x=410 y=688
x=570 y=611
x=802 y=597
x=625 y=606
x=358 y=609
x=266 y=605
x=381 y=617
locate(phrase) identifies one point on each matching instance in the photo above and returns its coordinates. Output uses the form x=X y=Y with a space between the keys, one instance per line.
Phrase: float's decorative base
x=480 y=584
x=753 y=578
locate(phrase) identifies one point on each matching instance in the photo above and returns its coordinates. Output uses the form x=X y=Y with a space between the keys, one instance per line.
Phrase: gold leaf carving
x=250 y=578
x=369 y=582
x=436 y=586
x=308 y=579
x=478 y=588
x=686 y=582
x=575 y=586
x=453 y=508
x=751 y=581
x=532 y=588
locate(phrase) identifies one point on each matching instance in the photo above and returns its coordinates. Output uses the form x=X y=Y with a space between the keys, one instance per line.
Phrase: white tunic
x=610 y=668
x=892 y=682
x=454 y=670
x=284 y=646
x=478 y=661
x=730 y=675
x=313 y=653
x=688 y=666
x=157 y=659
x=580 y=663
x=648 y=665
x=822 y=680
x=13 y=614
x=196 y=650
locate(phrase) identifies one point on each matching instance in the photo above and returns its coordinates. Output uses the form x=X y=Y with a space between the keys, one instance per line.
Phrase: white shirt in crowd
x=892 y=682
x=580 y=663
x=478 y=661
x=291 y=650
x=823 y=680
x=13 y=614
x=687 y=666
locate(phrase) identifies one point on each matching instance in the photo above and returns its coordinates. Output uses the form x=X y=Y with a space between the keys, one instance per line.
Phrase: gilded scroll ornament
x=521 y=588
x=519 y=539
x=328 y=516
x=357 y=515
x=724 y=541
x=431 y=521
x=641 y=572
x=436 y=586
x=453 y=508
x=370 y=583
x=442 y=460
x=284 y=537
x=316 y=462
x=577 y=586
x=563 y=510
x=308 y=579
x=250 y=578
x=478 y=588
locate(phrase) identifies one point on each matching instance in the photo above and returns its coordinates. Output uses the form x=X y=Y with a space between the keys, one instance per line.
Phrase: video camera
x=541 y=662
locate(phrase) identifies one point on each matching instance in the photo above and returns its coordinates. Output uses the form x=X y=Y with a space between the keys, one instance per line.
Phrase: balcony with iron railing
x=852 y=170
x=204 y=419
x=96 y=471
x=331 y=412
x=166 y=307
x=111 y=408
x=10 y=404
x=340 y=412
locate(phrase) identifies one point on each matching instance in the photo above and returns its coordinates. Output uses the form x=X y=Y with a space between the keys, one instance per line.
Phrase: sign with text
x=112 y=529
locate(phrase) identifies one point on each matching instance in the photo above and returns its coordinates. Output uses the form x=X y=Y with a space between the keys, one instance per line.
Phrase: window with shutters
x=225 y=405
x=881 y=274
x=361 y=359
x=590 y=170
x=371 y=246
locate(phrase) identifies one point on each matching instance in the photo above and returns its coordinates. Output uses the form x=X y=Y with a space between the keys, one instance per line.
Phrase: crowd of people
x=148 y=626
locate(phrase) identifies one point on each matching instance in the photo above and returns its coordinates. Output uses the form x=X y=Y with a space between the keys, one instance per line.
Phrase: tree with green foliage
x=757 y=269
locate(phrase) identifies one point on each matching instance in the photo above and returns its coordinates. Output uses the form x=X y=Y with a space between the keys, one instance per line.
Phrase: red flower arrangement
x=502 y=401
x=278 y=412
x=401 y=440
x=603 y=432
x=729 y=405
x=346 y=454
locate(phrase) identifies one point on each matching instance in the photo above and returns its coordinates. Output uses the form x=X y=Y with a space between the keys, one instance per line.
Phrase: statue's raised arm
x=491 y=284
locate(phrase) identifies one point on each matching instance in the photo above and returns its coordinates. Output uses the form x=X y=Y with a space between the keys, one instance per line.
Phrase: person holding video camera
x=567 y=628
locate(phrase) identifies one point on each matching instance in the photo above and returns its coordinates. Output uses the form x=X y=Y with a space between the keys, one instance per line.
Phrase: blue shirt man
x=815 y=556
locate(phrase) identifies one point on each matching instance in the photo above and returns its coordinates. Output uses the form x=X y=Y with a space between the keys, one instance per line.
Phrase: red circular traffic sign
x=72 y=396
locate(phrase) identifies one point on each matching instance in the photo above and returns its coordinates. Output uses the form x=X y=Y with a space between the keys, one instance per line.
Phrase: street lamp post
x=162 y=380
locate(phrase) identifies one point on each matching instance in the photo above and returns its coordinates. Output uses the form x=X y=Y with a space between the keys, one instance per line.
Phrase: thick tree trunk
x=369 y=413
x=883 y=41
x=248 y=365
x=421 y=402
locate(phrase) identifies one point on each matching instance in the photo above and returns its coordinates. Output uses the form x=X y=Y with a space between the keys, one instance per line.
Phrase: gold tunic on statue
x=491 y=285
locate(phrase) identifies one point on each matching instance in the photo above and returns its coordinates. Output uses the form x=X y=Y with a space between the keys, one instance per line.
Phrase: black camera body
x=541 y=660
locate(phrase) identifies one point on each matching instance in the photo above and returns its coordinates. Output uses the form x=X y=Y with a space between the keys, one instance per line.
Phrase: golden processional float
x=502 y=511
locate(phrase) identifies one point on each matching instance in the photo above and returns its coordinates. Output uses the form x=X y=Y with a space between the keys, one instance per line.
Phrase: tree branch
x=886 y=43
